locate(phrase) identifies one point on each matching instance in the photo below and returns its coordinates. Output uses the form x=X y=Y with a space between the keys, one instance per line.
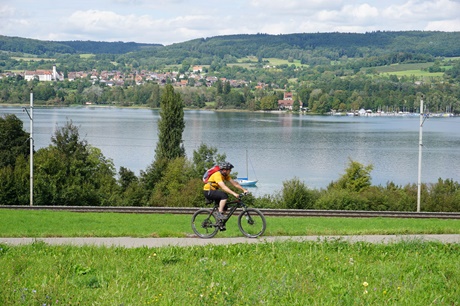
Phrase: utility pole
x=31 y=117
x=419 y=185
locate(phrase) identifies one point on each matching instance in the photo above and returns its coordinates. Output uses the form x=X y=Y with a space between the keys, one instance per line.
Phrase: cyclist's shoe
x=220 y=216
x=222 y=228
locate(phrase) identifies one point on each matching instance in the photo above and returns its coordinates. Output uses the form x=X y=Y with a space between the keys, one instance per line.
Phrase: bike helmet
x=226 y=165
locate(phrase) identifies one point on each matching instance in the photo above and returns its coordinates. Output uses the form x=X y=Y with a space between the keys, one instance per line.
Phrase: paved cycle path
x=131 y=242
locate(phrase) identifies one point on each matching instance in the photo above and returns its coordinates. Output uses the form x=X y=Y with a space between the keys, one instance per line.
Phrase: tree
x=206 y=157
x=170 y=128
x=269 y=102
x=356 y=178
x=71 y=172
x=13 y=140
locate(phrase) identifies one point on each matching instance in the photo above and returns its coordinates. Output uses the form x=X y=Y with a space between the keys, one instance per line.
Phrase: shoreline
x=389 y=114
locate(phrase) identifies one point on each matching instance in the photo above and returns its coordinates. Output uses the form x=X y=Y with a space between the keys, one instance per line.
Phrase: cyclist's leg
x=218 y=196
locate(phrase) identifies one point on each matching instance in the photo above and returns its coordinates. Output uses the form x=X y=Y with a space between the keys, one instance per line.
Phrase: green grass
x=86 y=55
x=330 y=272
x=409 y=70
x=24 y=223
x=281 y=273
x=33 y=59
x=403 y=67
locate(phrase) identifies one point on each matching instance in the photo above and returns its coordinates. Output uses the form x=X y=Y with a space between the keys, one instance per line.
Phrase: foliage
x=14 y=169
x=13 y=140
x=70 y=172
x=444 y=196
x=38 y=47
x=14 y=183
x=341 y=199
x=170 y=128
x=296 y=195
x=205 y=157
x=177 y=188
x=356 y=178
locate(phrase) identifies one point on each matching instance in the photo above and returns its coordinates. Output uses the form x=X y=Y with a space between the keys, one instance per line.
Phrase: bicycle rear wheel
x=204 y=223
x=252 y=223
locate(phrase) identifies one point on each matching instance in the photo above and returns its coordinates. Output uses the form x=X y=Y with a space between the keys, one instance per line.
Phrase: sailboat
x=245 y=181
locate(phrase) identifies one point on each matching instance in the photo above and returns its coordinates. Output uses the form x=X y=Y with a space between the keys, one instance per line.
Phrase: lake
x=280 y=146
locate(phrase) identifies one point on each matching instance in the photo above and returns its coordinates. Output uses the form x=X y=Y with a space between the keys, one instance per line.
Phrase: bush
x=356 y=178
x=377 y=198
x=269 y=201
x=341 y=199
x=296 y=195
x=443 y=196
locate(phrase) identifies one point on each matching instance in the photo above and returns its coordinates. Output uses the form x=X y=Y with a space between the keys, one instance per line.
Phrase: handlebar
x=241 y=195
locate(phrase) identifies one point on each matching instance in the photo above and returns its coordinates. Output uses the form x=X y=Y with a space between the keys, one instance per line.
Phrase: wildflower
x=365 y=284
x=365 y=292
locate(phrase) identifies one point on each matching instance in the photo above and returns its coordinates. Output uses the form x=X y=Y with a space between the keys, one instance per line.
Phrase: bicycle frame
x=233 y=206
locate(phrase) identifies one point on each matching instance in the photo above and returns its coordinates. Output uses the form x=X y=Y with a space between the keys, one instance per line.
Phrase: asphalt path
x=131 y=242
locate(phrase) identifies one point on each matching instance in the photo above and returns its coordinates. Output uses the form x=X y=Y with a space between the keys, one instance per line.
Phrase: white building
x=44 y=75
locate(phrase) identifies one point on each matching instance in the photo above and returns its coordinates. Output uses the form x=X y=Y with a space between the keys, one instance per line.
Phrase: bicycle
x=251 y=221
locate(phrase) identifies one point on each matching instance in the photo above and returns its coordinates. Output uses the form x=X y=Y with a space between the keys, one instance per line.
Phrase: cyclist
x=217 y=191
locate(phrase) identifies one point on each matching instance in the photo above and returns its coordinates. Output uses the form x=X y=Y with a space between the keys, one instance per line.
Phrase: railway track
x=266 y=212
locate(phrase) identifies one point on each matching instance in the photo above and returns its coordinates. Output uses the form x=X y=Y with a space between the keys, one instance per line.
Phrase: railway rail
x=266 y=212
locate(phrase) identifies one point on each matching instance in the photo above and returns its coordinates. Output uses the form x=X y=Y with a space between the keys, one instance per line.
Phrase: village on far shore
x=193 y=78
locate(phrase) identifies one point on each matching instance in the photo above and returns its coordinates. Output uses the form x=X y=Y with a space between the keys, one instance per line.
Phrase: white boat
x=245 y=181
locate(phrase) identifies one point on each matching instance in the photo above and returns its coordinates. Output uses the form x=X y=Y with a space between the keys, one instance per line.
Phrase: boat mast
x=247 y=169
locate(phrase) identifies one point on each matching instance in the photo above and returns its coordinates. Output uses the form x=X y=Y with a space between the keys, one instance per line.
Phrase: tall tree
x=170 y=128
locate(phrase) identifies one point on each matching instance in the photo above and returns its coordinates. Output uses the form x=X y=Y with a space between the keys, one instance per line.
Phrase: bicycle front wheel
x=204 y=223
x=252 y=223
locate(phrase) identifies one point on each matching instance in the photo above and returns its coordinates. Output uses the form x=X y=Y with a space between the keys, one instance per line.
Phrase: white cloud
x=169 y=21
x=444 y=25
x=294 y=6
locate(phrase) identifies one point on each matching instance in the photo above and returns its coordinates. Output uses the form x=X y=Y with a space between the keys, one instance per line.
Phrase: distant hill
x=39 y=47
x=350 y=44
x=300 y=45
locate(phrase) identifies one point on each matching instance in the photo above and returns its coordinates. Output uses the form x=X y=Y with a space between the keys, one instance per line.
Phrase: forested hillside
x=41 y=47
x=331 y=45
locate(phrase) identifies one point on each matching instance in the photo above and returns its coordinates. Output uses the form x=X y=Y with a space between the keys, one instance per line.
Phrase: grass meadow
x=332 y=272
x=43 y=223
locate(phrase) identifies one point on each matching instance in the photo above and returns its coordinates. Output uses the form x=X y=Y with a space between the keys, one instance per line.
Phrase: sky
x=173 y=21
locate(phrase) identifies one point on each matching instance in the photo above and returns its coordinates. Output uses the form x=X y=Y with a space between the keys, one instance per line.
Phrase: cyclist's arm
x=237 y=185
x=226 y=189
